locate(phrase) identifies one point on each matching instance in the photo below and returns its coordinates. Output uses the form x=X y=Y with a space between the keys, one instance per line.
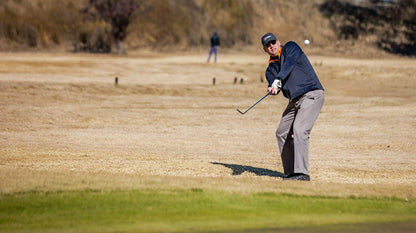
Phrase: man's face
x=272 y=48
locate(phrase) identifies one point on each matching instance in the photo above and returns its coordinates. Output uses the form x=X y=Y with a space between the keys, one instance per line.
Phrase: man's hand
x=276 y=85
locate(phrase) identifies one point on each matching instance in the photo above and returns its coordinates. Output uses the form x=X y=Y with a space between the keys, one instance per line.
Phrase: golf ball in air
x=306 y=41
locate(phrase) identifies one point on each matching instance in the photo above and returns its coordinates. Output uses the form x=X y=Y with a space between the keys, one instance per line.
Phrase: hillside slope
x=166 y=25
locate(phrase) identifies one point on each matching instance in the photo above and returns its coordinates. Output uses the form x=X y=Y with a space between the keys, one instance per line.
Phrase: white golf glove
x=276 y=85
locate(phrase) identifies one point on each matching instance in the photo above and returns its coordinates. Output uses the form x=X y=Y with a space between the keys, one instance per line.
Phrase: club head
x=238 y=110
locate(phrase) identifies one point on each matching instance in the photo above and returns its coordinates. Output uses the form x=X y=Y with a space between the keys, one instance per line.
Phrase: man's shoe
x=297 y=176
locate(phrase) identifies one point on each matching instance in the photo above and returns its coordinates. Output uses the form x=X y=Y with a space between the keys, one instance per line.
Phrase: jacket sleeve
x=271 y=74
x=291 y=54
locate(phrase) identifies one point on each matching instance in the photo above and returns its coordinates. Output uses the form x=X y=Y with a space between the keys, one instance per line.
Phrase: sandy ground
x=65 y=125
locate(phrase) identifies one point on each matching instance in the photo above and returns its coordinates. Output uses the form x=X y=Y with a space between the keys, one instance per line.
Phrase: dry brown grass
x=46 y=25
x=65 y=125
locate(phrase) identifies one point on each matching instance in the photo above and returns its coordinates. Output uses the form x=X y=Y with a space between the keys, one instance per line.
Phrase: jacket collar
x=276 y=58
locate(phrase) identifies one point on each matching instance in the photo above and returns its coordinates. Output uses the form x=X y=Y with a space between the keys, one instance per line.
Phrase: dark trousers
x=214 y=49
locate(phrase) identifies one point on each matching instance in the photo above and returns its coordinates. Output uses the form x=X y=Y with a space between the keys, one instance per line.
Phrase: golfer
x=291 y=72
x=215 y=43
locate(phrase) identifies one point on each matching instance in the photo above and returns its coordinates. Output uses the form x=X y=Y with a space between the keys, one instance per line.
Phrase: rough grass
x=193 y=210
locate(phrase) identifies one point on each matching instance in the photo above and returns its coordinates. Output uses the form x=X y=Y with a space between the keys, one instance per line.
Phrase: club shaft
x=256 y=103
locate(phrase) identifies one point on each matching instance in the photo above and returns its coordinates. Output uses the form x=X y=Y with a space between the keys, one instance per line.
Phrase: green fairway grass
x=193 y=210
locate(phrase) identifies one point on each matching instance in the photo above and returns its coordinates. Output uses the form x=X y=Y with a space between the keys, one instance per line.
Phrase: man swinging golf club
x=291 y=72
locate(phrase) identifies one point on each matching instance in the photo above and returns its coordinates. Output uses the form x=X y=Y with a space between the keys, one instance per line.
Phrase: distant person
x=291 y=72
x=215 y=43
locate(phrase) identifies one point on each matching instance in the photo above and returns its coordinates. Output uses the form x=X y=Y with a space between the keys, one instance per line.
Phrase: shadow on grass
x=239 y=169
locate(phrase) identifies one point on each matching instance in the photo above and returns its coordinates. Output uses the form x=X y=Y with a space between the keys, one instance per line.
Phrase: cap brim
x=268 y=40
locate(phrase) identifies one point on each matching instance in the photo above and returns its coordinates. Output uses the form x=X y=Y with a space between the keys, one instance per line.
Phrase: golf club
x=238 y=110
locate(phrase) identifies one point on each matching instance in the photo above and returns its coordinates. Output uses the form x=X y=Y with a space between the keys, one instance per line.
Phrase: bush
x=393 y=24
x=38 y=23
x=93 y=37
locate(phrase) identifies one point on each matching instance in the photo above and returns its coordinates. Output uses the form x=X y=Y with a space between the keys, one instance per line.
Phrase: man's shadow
x=239 y=169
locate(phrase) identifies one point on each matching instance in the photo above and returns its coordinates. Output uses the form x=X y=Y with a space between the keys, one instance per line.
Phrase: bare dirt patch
x=65 y=125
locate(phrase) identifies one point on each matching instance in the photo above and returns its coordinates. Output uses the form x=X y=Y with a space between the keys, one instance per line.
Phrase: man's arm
x=274 y=84
x=291 y=54
x=271 y=74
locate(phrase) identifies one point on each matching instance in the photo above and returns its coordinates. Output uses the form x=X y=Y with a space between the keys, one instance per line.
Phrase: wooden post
x=235 y=80
x=116 y=81
x=213 y=81
x=241 y=81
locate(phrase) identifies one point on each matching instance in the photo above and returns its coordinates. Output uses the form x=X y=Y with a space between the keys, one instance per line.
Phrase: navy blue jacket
x=215 y=40
x=294 y=70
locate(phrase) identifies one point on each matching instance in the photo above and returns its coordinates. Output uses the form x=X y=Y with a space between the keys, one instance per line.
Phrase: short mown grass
x=193 y=210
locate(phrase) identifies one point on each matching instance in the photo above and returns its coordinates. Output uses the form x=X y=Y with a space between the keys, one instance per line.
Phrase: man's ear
x=265 y=49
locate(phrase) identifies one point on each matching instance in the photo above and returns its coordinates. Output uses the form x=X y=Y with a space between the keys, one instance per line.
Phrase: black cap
x=267 y=38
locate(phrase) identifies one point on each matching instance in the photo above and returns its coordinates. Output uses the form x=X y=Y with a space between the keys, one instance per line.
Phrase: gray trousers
x=298 y=120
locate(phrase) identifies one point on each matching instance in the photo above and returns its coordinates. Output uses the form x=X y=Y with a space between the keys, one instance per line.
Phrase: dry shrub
x=239 y=23
x=182 y=24
x=93 y=37
x=38 y=23
x=163 y=24
x=390 y=26
x=160 y=24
